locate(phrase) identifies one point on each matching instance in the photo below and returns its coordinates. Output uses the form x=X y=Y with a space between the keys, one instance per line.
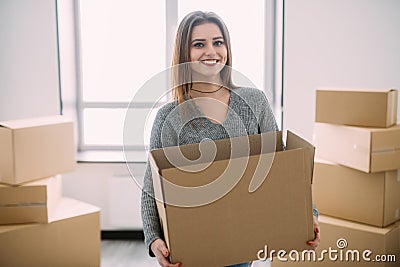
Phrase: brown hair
x=181 y=76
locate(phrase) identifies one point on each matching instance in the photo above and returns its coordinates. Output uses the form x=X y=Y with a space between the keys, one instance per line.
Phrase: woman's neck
x=206 y=87
x=206 y=83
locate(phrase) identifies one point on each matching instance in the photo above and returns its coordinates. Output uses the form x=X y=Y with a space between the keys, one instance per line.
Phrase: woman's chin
x=206 y=73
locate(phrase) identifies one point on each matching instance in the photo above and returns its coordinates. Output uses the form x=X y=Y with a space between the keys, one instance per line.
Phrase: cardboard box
x=30 y=202
x=36 y=148
x=371 y=198
x=361 y=148
x=372 y=108
x=347 y=237
x=230 y=206
x=72 y=239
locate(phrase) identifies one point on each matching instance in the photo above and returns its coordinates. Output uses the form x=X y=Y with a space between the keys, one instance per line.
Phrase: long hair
x=181 y=73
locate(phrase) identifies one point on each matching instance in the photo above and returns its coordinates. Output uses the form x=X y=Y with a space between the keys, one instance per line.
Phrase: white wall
x=29 y=80
x=339 y=44
x=111 y=187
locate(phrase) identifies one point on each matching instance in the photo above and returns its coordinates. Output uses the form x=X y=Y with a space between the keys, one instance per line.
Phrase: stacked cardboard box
x=356 y=175
x=360 y=181
x=39 y=227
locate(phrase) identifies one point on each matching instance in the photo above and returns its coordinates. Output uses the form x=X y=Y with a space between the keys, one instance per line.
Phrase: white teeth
x=210 y=62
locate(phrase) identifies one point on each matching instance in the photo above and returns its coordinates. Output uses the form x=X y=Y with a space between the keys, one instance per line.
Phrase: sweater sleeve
x=162 y=135
x=150 y=219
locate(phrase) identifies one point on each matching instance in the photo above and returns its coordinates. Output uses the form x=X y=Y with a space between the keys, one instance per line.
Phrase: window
x=123 y=43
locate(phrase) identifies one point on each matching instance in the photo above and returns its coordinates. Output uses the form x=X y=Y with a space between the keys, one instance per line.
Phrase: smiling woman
x=209 y=55
x=207 y=106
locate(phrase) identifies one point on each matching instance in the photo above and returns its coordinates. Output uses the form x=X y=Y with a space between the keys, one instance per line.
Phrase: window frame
x=271 y=75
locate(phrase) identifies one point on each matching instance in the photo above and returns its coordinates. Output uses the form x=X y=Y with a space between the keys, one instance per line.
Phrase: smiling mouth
x=209 y=62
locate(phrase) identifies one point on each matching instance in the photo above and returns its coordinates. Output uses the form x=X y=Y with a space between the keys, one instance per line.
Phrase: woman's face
x=208 y=52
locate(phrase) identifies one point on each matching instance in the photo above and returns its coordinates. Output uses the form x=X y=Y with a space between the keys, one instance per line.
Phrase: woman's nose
x=210 y=50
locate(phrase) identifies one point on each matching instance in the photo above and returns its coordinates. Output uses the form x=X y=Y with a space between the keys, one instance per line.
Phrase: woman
x=209 y=107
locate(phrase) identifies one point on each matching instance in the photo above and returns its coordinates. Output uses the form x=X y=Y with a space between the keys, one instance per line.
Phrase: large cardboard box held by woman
x=224 y=201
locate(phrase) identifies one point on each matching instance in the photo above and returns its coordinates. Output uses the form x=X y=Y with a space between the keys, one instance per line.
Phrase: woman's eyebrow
x=198 y=40
x=203 y=40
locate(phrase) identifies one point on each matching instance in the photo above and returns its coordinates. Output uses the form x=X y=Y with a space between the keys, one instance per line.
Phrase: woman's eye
x=198 y=44
x=219 y=43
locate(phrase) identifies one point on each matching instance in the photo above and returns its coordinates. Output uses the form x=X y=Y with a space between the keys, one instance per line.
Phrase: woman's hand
x=161 y=252
x=314 y=243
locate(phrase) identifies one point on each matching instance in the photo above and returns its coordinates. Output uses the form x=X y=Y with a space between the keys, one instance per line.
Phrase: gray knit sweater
x=248 y=113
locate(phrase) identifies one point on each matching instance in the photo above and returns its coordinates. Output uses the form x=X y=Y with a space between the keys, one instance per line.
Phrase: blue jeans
x=245 y=264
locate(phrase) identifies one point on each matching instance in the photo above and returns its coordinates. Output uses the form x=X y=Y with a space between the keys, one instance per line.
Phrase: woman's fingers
x=315 y=243
x=164 y=262
x=161 y=252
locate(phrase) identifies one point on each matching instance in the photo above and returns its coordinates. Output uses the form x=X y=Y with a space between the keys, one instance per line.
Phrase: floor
x=125 y=254
x=133 y=253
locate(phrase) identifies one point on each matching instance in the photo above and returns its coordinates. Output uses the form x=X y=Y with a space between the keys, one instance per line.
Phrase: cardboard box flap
x=191 y=154
x=164 y=161
x=295 y=142
x=34 y=122
x=224 y=157
x=208 y=183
